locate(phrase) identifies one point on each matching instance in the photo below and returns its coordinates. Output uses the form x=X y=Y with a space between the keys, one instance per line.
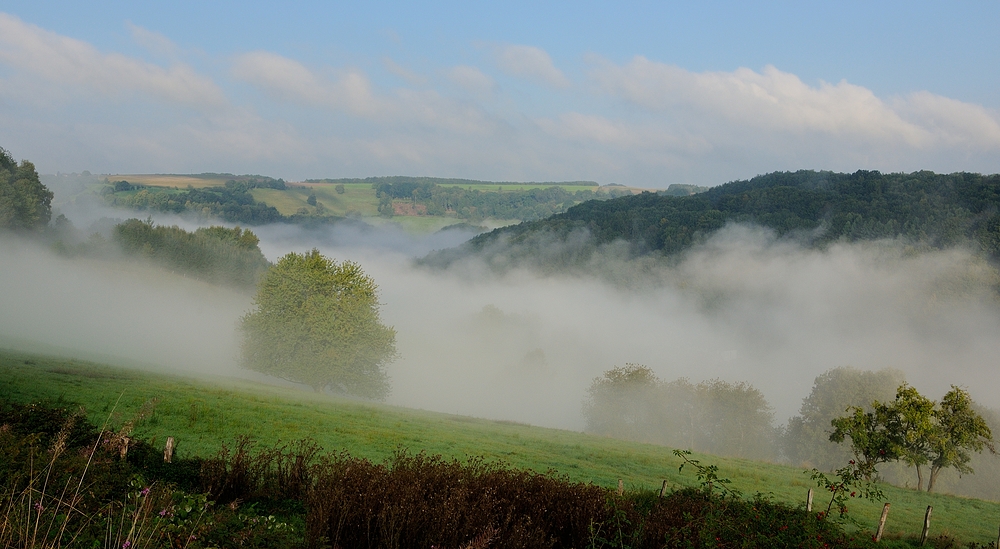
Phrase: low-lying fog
x=524 y=347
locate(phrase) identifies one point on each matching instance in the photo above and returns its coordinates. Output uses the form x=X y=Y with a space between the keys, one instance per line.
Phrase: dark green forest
x=928 y=209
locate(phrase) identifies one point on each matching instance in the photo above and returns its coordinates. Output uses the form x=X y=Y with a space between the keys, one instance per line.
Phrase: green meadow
x=204 y=413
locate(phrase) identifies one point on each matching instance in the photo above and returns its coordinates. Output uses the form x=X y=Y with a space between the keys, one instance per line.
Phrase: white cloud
x=290 y=80
x=352 y=92
x=153 y=41
x=471 y=80
x=411 y=77
x=68 y=62
x=531 y=63
x=780 y=103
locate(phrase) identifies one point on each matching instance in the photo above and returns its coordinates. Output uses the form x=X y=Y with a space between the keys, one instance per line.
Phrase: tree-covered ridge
x=937 y=210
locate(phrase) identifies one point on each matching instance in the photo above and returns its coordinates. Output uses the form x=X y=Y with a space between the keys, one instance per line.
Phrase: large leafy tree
x=316 y=321
x=25 y=203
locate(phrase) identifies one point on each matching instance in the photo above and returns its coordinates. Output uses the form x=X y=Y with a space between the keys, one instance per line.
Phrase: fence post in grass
x=621 y=487
x=809 y=501
x=663 y=489
x=168 y=451
x=927 y=525
x=881 y=522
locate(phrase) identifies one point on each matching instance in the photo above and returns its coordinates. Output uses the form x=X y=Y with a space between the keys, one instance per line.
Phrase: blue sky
x=638 y=93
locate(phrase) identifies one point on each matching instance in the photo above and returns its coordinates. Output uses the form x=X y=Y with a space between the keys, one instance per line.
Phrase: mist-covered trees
x=934 y=210
x=712 y=416
x=316 y=321
x=215 y=254
x=807 y=437
x=25 y=203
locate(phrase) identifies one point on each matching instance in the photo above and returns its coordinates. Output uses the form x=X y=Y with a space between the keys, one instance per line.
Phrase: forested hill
x=933 y=209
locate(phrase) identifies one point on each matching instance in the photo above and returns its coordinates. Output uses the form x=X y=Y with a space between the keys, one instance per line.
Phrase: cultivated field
x=202 y=414
x=173 y=180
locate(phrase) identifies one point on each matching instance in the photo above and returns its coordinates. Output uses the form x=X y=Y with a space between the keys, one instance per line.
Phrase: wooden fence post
x=927 y=525
x=621 y=487
x=881 y=523
x=809 y=501
x=168 y=451
x=663 y=489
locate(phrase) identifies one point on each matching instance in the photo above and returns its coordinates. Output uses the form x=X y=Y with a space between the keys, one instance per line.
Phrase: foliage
x=851 y=481
x=707 y=475
x=713 y=416
x=930 y=209
x=407 y=501
x=874 y=438
x=959 y=430
x=232 y=203
x=807 y=438
x=25 y=203
x=200 y=414
x=216 y=254
x=316 y=321
x=913 y=429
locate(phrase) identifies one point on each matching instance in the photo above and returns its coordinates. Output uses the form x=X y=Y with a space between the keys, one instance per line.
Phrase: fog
x=521 y=346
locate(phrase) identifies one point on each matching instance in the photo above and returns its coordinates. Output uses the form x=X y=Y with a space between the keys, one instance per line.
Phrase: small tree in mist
x=316 y=321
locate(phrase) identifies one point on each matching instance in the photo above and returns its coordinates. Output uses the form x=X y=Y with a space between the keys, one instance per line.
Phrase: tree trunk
x=920 y=478
x=934 y=474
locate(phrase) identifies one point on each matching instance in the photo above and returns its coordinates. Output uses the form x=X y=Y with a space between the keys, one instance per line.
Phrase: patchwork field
x=204 y=413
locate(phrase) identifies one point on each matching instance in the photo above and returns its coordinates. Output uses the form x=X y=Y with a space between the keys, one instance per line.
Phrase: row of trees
x=232 y=203
x=916 y=430
x=713 y=416
x=885 y=420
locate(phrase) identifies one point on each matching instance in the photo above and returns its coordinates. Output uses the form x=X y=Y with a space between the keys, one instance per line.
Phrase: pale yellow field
x=170 y=180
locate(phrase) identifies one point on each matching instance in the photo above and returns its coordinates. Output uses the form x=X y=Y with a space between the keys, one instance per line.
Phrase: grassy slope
x=202 y=414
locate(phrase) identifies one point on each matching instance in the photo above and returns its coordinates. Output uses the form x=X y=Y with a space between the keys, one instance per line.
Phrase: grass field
x=203 y=413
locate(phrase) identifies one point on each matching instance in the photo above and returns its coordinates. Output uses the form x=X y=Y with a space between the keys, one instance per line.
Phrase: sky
x=637 y=93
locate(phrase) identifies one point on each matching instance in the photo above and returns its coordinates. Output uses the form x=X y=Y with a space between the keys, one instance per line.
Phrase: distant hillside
x=257 y=200
x=820 y=207
x=394 y=179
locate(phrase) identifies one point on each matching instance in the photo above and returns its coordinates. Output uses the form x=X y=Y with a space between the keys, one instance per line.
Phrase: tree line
x=862 y=417
x=232 y=202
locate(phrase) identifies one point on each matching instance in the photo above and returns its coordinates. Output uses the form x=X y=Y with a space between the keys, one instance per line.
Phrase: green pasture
x=204 y=413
